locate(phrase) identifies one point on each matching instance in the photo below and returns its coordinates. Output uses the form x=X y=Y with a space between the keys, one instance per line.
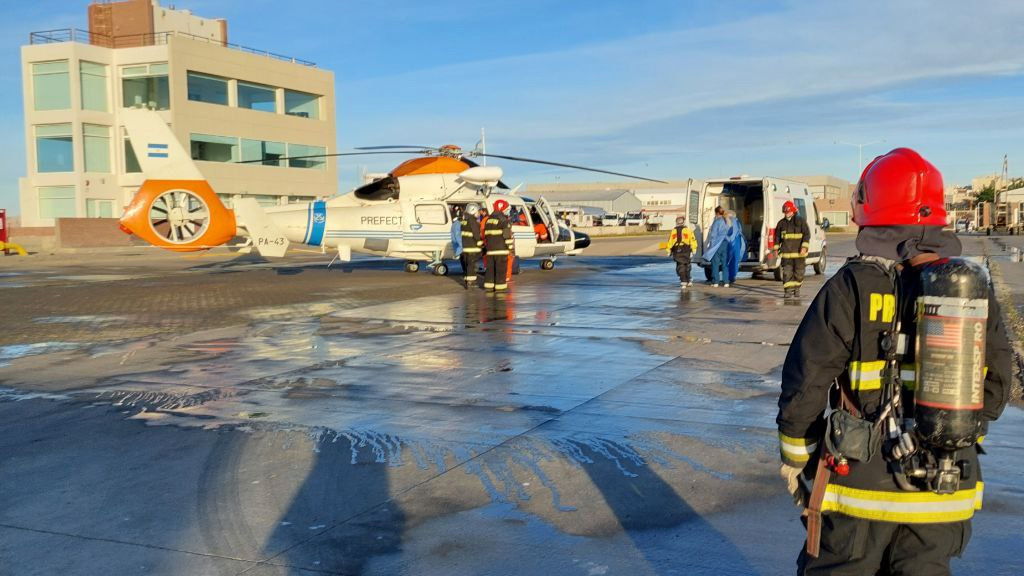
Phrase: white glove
x=791 y=475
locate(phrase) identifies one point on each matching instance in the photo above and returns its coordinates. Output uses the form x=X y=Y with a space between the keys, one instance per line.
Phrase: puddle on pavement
x=14 y=351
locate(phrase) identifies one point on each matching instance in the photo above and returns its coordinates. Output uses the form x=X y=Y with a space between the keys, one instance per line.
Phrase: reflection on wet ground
x=607 y=423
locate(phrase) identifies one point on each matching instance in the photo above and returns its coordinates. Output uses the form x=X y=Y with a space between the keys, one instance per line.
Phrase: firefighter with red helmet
x=792 y=239
x=866 y=435
x=498 y=243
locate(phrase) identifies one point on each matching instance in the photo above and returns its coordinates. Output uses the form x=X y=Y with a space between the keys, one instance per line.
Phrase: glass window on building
x=131 y=161
x=301 y=104
x=270 y=153
x=99 y=208
x=214 y=148
x=51 y=85
x=315 y=156
x=145 y=86
x=257 y=97
x=56 y=201
x=54 y=148
x=94 y=85
x=202 y=88
x=96 y=147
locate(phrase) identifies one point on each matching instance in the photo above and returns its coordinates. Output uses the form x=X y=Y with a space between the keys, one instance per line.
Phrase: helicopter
x=405 y=215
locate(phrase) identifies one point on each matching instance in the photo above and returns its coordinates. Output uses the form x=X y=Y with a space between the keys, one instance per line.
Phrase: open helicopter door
x=559 y=235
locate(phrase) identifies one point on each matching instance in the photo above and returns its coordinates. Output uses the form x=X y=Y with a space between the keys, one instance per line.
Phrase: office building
x=227 y=103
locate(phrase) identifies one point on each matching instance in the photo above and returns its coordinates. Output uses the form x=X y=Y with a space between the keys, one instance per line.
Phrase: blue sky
x=669 y=89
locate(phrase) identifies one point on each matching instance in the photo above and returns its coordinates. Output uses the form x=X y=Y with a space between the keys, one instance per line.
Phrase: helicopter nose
x=582 y=240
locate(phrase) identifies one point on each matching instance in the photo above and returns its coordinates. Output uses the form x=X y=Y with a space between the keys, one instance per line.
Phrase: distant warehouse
x=615 y=200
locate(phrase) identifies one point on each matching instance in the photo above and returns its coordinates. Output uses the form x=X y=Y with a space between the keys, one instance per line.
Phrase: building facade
x=241 y=112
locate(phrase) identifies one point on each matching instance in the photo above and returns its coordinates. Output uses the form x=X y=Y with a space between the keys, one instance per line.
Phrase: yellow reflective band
x=866 y=375
x=470 y=278
x=500 y=286
x=497 y=252
x=805 y=244
x=488 y=284
x=797 y=449
x=792 y=284
x=790 y=236
x=467 y=233
x=471 y=250
x=492 y=232
x=790 y=255
x=979 y=492
x=907 y=507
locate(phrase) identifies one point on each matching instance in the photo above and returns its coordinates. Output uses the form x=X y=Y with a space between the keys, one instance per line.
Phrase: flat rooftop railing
x=137 y=40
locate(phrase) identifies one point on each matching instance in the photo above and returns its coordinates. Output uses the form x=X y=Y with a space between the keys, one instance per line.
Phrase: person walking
x=472 y=244
x=681 y=245
x=737 y=246
x=857 y=412
x=792 y=239
x=717 y=248
x=497 y=236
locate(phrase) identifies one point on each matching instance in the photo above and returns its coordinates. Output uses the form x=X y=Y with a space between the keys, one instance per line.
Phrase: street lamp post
x=860 y=152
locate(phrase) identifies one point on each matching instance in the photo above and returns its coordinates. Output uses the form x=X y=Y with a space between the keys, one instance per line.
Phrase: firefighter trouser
x=852 y=546
x=793 y=273
x=469 y=261
x=497 y=267
x=682 y=267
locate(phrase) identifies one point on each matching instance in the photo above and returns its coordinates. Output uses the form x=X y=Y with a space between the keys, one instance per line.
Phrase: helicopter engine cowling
x=179 y=215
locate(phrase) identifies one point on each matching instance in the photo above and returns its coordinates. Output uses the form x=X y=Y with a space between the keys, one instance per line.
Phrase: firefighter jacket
x=678 y=239
x=471 y=240
x=497 y=234
x=791 y=236
x=840 y=339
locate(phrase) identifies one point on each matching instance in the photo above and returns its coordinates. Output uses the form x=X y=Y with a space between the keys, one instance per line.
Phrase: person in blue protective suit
x=737 y=245
x=717 y=248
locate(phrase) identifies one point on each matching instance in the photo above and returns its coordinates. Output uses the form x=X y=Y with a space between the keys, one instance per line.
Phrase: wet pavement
x=232 y=416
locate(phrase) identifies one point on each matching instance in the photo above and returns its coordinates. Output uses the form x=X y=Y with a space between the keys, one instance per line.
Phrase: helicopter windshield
x=386 y=188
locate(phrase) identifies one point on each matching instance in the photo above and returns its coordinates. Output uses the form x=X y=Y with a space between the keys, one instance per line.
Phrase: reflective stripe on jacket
x=791 y=236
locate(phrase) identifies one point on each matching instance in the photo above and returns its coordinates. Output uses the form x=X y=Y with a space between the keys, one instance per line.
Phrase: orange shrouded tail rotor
x=179 y=215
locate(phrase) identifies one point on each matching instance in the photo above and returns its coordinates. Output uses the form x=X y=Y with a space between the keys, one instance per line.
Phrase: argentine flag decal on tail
x=156 y=150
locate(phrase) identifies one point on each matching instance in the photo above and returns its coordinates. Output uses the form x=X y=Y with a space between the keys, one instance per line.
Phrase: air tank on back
x=952 y=316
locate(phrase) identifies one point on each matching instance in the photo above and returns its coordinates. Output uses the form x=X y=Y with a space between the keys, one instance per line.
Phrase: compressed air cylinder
x=952 y=313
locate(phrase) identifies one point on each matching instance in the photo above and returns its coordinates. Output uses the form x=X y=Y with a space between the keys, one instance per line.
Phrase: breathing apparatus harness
x=917 y=461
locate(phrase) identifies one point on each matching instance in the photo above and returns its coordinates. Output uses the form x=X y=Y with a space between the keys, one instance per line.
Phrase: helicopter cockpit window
x=386 y=188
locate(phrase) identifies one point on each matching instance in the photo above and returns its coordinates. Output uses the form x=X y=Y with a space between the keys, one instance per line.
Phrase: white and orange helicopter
x=405 y=215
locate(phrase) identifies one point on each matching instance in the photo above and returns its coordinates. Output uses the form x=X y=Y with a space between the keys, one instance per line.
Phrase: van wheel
x=412 y=266
x=547 y=264
x=819 y=266
x=777 y=273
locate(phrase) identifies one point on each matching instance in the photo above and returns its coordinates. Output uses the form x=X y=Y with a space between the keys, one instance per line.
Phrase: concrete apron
x=607 y=424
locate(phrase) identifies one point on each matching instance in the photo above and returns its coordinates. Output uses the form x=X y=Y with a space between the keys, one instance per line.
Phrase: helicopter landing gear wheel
x=441 y=269
x=547 y=264
x=412 y=267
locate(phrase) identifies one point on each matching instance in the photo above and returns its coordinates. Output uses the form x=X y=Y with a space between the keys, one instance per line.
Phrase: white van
x=758 y=204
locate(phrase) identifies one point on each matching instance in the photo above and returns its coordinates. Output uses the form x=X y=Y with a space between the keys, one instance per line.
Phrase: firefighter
x=680 y=246
x=497 y=233
x=472 y=244
x=850 y=374
x=792 y=239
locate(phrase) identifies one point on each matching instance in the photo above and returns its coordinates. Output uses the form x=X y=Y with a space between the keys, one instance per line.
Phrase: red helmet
x=900 y=188
x=789 y=207
x=500 y=205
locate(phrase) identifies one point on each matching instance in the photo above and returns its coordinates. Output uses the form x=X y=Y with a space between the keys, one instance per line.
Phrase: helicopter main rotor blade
x=531 y=160
x=392 y=146
x=326 y=156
